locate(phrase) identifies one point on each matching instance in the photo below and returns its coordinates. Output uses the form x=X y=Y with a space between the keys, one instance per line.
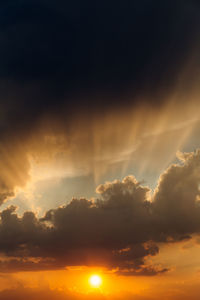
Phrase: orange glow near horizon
x=76 y=282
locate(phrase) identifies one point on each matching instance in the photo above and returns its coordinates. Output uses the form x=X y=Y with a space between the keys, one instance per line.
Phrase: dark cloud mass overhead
x=63 y=61
x=96 y=45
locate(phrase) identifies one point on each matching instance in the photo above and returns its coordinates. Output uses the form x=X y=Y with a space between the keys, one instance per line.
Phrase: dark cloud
x=83 y=232
x=97 y=44
x=66 y=59
x=119 y=230
x=176 y=200
x=53 y=50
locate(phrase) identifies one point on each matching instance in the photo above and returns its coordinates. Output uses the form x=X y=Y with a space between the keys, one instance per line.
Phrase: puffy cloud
x=120 y=229
x=108 y=231
x=176 y=199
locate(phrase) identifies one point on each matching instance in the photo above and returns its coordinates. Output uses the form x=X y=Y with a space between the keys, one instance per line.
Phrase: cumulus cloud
x=176 y=199
x=119 y=230
x=84 y=232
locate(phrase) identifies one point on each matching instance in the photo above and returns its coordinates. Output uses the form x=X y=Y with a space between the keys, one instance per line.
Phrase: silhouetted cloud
x=176 y=199
x=119 y=230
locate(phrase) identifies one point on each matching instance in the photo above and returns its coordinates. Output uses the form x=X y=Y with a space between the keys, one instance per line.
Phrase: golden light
x=95 y=281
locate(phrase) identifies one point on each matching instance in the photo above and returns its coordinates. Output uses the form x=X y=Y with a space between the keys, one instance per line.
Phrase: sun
x=95 y=281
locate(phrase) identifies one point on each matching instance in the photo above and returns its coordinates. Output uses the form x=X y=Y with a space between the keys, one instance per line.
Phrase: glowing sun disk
x=95 y=281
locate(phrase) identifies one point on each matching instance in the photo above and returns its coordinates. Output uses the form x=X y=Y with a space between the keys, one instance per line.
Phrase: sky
x=99 y=149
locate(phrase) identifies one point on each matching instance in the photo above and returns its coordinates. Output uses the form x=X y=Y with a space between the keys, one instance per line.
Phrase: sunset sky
x=99 y=149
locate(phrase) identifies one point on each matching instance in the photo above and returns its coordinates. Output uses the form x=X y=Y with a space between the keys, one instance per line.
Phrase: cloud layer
x=119 y=230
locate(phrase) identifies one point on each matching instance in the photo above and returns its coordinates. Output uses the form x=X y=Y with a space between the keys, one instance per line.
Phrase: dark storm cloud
x=108 y=46
x=70 y=58
x=119 y=230
x=59 y=49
